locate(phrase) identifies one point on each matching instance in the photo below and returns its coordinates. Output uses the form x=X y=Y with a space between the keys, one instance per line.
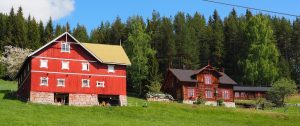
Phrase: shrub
x=220 y=102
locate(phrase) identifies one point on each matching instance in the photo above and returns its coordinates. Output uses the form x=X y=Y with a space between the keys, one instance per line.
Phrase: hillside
x=14 y=112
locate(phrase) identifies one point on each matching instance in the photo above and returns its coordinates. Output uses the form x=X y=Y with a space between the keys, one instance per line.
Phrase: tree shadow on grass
x=8 y=94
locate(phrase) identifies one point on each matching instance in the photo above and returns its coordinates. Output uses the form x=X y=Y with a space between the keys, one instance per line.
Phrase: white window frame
x=225 y=94
x=41 y=80
x=191 y=92
x=58 y=84
x=43 y=63
x=207 y=79
x=110 y=68
x=67 y=63
x=236 y=94
x=208 y=94
x=100 y=84
x=66 y=46
x=88 y=83
x=84 y=68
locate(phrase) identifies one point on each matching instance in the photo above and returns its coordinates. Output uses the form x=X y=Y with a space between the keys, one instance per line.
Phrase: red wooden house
x=206 y=83
x=66 y=71
x=248 y=92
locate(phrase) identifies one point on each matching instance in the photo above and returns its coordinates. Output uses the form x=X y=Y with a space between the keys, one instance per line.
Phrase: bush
x=220 y=102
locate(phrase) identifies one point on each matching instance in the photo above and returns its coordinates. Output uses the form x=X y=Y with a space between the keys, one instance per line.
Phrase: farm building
x=248 y=93
x=66 y=71
x=206 y=83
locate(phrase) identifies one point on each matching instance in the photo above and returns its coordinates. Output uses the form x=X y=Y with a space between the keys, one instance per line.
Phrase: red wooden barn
x=66 y=71
x=207 y=83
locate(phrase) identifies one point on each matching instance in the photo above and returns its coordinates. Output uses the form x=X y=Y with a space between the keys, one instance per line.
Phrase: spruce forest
x=253 y=49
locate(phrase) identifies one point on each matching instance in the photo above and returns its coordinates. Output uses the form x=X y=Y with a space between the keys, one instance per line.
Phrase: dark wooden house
x=248 y=93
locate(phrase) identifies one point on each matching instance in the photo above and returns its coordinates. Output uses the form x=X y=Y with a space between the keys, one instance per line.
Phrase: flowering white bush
x=12 y=58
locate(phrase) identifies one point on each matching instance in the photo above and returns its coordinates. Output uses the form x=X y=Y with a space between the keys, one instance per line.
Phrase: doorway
x=61 y=98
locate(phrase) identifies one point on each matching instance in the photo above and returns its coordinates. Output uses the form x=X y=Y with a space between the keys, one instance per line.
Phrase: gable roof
x=110 y=54
x=225 y=79
x=248 y=88
x=184 y=75
x=95 y=50
x=207 y=67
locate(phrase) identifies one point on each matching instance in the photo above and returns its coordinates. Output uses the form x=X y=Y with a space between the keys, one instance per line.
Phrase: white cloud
x=40 y=9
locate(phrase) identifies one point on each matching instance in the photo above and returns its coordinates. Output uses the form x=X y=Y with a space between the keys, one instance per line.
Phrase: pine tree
x=58 y=30
x=80 y=33
x=117 y=31
x=33 y=34
x=295 y=60
x=3 y=26
x=41 y=32
x=9 y=39
x=261 y=64
x=19 y=30
x=48 y=33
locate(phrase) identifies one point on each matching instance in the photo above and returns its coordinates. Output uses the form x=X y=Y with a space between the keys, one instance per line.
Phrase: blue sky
x=91 y=13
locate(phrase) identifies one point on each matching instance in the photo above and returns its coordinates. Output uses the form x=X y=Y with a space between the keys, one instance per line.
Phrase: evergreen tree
x=261 y=63
x=41 y=32
x=295 y=60
x=3 y=25
x=58 y=30
x=33 y=35
x=48 y=33
x=9 y=39
x=117 y=31
x=19 y=30
x=80 y=33
x=139 y=50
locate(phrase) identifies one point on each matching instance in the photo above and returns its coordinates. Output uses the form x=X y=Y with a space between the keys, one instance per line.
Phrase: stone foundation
x=83 y=99
x=229 y=104
x=41 y=97
x=211 y=103
x=123 y=100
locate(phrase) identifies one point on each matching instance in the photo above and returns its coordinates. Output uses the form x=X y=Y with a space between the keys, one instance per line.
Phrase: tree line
x=253 y=49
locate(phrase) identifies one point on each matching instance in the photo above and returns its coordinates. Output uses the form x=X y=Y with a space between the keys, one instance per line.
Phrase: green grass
x=14 y=113
x=294 y=99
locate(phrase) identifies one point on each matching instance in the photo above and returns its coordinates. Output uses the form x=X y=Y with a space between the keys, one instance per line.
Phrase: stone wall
x=83 y=99
x=41 y=97
x=123 y=100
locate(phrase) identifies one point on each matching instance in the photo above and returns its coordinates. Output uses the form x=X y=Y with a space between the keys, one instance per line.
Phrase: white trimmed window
x=65 y=47
x=191 y=92
x=44 y=81
x=225 y=94
x=65 y=65
x=60 y=82
x=111 y=68
x=236 y=94
x=85 y=66
x=208 y=94
x=207 y=79
x=85 y=83
x=43 y=63
x=100 y=84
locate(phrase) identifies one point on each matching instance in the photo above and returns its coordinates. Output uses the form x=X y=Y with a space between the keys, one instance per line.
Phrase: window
x=64 y=65
x=100 y=84
x=60 y=82
x=44 y=81
x=65 y=47
x=85 y=83
x=191 y=92
x=111 y=68
x=208 y=94
x=243 y=94
x=207 y=79
x=236 y=94
x=225 y=94
x=43 y=63
x=85 y=66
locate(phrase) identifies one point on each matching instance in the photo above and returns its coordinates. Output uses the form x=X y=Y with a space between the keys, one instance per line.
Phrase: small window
x=111 y=68
x=44 y=81
x=85 y=83
x=208 y=94
x=64 y=65
x=243 y=94
x=191 y=92
x=60 y=82
x=207 y=79
x=43 y=63
x=100 y=84
x=65 y=47
x=236 y=94
x=85 y=66
x=225 y=94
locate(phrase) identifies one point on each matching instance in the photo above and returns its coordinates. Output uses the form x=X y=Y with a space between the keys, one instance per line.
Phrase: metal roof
x=249 y=88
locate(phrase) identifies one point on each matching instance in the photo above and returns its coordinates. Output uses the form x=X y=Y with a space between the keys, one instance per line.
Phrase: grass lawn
x=294 y=99
x=14 y=113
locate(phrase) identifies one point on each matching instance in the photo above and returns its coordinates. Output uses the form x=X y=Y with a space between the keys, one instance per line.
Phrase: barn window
x=43 y=63
x=100 y=84
x=60 y=82
x=64 y=65
x=111 y=68
x=236 y=94
x=191 y=92
x=44 y=81
x=225 y=94
x=207 y=79
x=85 y=83
x=85 y=66
x=65 y=47
x=208 y=94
